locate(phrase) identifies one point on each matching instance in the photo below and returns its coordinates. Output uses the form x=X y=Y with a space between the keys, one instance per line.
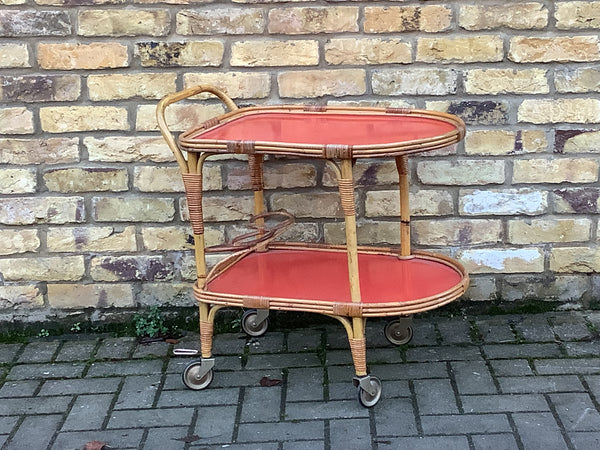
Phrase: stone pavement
x=480 y=382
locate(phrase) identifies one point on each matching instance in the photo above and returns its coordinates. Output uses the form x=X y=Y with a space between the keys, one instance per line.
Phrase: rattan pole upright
x=402 y=166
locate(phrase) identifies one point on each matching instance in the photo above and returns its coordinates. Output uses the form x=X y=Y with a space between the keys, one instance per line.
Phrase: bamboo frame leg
x=402 y=166
x=358 y=347
x=206 y=330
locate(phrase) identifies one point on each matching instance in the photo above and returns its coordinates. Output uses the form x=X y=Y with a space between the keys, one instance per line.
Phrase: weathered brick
x=483 y=48
x=456 y=232
x=123 y=22
x=570 y=110
x=128 y=149
x=498 y=142
x=221 y=21
x=20 y=297
x=414 y=82
x=318 y=83
x=17 y=181
x=422 y=203
x=275 y=176
x=524 y=49
x=16 y=23
x=367 y=51
x=130 y=268
x=18 y=241
x=575 y=259
x=39 y=151
x=180 y=54
x=577 y=15
x=234 y=84
x=555 y=170
x=37 y=88
x=14 y=55
x=307 y=20
x=168 y=179
x=308 y=205
x=53 y=210
x=275 y=53
x=502 y=202
x=91 y=239
x=178 y=238
x=393 y=19
x=502 y=260
x=64 y=119
x=97 y=55
x=461 y=172
x=577 y=141
x=121 y=87
x=506 y=81
x=576 y=200
x=577 y=80
x=563 y=288
x=86 y=180
x=63 y=268
x=159 y=294
x=179 y=117
x=520 y=16
x=223 y=208
x=366 y=174
x=126 y=209
x=537 y=231
x=367 y=233
x=79 y=296
x=17 y=120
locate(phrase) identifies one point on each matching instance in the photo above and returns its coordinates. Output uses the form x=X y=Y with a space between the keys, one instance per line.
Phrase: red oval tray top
x=327 y=128
x=323 y=276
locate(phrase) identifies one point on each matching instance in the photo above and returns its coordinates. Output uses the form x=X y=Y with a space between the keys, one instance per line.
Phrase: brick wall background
x=91 y=204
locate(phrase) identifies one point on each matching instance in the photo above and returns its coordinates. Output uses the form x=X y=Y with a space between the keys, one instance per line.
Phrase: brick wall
x=91 y=206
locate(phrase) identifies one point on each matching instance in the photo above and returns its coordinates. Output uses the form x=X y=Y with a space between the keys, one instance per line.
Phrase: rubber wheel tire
x=250 y=327
x=367 y=400
x=398 y=334
x=192 y=380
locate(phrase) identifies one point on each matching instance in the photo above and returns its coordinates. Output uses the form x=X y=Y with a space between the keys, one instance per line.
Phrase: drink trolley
x=347 y=282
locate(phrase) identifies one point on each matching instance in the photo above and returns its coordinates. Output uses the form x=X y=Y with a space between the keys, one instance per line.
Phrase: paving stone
x=34 y=405
x=3 y=439
x=495 y=331
x=570 y=328
x=324 y=410
x=151 y=349
x=45 y=371
x=216 y=424
x=177 y=365
x=149 y=418
x=577 y=349
x=7 y=424
x=207 y=397
x=283 y=360
x=304 y=340
x=80 y=386
x=38 y=352
x=237 y=378
x=465 y=424
x=305 y=384
x=454 y=331
x=504 y=403
x=350 y=434
x=435 y=397
x=425 y=443
x=593 y=381
x=261 y=404
x=535 y=328
x=166 y=438
x=116 y=348
x=473 y=377
x=302 y=445
x=540 y=384
x=281 y=431
x=76 y=351
x=88 y=412
x=395 y=417
x=504 y=441
x=539 y=431
x=34 y=432
x=374 y=356
x=443 y=353
x=121 y=439
x=8 y=352
x=229 y=344
x=576 y=411
x=567 y=366
x=522 y=350
x=585 y=440
x=111 y=369
x=269 y=343
x=424 y=333
x=19 y=388
x=408 y=371
x=138 y=392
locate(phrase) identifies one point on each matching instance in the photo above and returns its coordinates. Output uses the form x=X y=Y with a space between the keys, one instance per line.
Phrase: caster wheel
x=369 y=400
x=193 y=379
x=397 y=333
x=250 y=327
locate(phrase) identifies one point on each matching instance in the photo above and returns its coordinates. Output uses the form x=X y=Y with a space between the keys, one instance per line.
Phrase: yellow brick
x=178 y=238
x=555 y=171
x=326 y=205
x=368 y=233
x=577 y=15
x=461 y=172
x=212 y=21
x=570 y=110
x=456 y=232
x=180 y=54
x=179 y=117
x=125 y=86
x=318 y=83
x=367 y=51
x=506 y=81
x=66 y=119
x=222 y=208
x=275 y=53
x=123 y=22
x=18 y=241
x=39 y=151
x=583 y=142
x=517 y=16
x=112 y=209
x=17 y=120
x=14 y=55
x=502 y=260
x=498 y=142
x=17 y=181
x=63 y=268
x=422 y=203
x=86 y=180
x=20 y=297
x=80 y=296
x=539 y=231
x=313 y=20
x=234 y=84
x=91 y=239
x=33 y=210
x=128 y=149
x=483 y=48
x=554 y=49
x=577 y=80
x=575 y=259
x=421 y=81
x=391 y=19
x=96 y=55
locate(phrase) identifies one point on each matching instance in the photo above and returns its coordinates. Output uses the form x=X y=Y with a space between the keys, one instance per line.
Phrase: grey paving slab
x=535 y=328
x=302 y=445
x=177 y=365
x=35 y=432
x=408 y=371
x=424 y=333
x=541 y=384
x=46 y=371
x=215 y=424
x=166 y=438
x=500 y=351
x=585 y=440
x=34 y=405
x=80 y=386
x=570 y=328
x=7 y=424
x=116 y=348
x=38 y=352
x=262 y=404
x=282 y=431
x=324 y=410
x=88 y=412
x=425 y=443
x=503 y=441
x=305 y=384
x=504 y=403
x=272 y=342
x=443 y=353
x=3 y=439
x=138 y=391
x=511 y=367
x=284 y=360
x=121 y=439
x=435 y=397
x=148 y=418
x=350 y=434
x=454 y=331
x=8 y=352
x=593 y=382
x=576 y=411
x=395 y=417
x=19 y=388
x=473 y=377
x=539 y=431
x=304 y=340
x=160 y=348
x=568 y=366
x=207 y=397
x=465 y=424
x=495 y=330
x=582 y=348
x=76 y=351
x=130 y=367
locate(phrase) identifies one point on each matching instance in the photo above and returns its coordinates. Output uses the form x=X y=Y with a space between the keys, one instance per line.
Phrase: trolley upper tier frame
x=349 y=283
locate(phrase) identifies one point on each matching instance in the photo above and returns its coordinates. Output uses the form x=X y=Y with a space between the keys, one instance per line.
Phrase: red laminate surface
x=323 y=276
x=328 y=129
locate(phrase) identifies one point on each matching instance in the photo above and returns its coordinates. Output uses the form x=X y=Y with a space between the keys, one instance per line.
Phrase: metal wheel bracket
x=207 y=365
x=365 y=384
x=261 y=316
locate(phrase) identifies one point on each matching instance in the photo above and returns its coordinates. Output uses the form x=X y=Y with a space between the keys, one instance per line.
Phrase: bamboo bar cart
x=347 y=282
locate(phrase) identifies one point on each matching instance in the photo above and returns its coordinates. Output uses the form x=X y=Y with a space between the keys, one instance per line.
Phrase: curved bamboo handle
x=176 y=97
